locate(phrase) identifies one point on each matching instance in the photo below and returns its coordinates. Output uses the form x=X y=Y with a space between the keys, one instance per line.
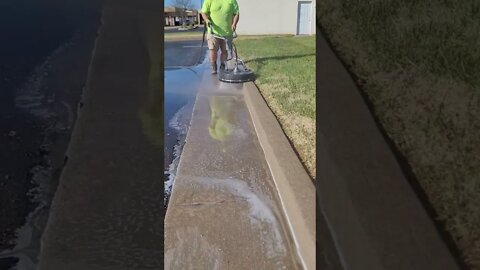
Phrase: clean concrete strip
x=224 y=210
x=295 y=188
x=107 y=210
x=373 y=213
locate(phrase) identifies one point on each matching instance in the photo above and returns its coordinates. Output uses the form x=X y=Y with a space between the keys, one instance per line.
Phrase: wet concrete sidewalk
x=224 y=211
x=107 y=210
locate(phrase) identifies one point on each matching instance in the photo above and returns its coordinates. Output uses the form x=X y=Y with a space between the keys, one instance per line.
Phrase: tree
x=183 y=5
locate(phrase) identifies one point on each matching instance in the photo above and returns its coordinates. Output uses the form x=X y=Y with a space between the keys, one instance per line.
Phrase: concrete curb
x=97 y=207
x=294 y=186
x=374 y=215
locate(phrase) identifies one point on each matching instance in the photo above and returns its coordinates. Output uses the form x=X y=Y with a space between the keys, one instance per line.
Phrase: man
x=223 y=16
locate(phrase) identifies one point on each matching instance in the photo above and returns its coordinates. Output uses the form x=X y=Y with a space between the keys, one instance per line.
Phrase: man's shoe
x=214 y=68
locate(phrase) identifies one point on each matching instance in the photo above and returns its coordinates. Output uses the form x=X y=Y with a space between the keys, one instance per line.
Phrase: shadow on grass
x=263 y=60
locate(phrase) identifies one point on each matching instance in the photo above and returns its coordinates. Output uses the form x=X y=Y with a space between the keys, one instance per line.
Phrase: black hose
x=235 y=51
x=204 y=32
x=203 y=44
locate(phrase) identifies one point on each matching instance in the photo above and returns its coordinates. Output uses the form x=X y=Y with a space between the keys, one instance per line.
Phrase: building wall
x=267 y=17
x=169 y=20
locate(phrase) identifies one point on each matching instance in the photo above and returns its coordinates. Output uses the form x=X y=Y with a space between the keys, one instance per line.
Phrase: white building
x=267 y=17
x=173 y=16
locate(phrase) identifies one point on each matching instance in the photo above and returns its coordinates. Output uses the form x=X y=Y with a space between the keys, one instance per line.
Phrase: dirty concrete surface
x=224 y=211
x=107 y=211
x=40 y=87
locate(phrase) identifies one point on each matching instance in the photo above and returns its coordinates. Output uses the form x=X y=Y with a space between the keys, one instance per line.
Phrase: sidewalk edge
x=294 y=186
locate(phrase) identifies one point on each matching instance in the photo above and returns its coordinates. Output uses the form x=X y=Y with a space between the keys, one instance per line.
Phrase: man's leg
x=213 y=49
x=224 y=53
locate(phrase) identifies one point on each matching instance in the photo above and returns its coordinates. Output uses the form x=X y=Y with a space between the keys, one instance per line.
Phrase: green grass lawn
x=285 y=70
x=418 y=63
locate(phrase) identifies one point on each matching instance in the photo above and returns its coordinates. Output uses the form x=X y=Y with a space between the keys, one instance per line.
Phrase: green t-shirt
x=221 y=14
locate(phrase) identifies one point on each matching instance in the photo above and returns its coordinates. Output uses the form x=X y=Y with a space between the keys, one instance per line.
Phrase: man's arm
x=205 y=18
x=236 y=13
x=205 y=11
x=235 y=21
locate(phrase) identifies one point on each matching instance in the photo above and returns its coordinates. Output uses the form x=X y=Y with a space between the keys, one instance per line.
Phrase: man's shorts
x=215 y=43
